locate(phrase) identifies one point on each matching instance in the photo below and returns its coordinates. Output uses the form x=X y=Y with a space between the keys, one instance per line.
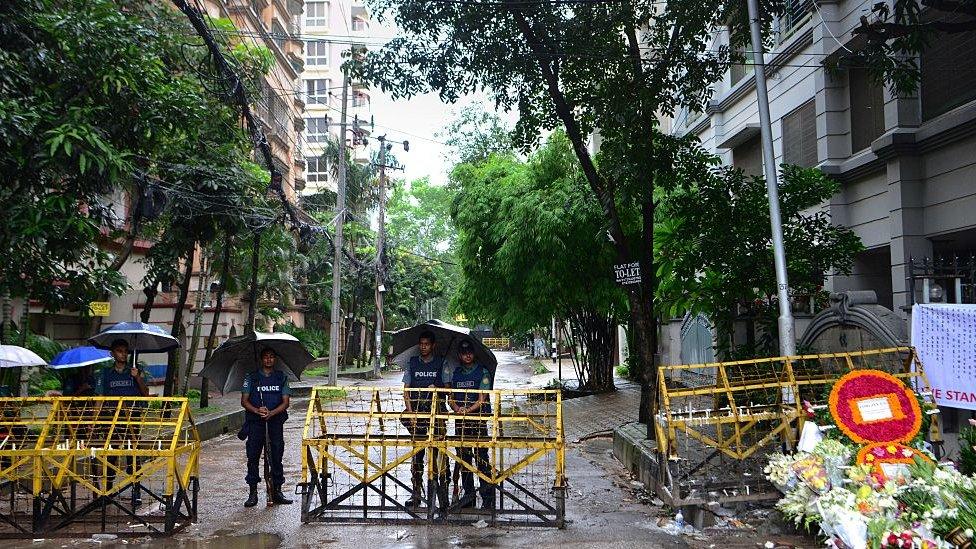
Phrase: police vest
x=119 y=384
x=267 y=391
x=424 y=374
x=470 y=380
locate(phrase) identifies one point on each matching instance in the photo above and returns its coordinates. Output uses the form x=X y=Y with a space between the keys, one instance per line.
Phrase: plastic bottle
x=679 y=520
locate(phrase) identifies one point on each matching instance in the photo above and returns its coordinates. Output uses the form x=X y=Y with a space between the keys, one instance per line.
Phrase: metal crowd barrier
x=502 y=343
x=360 y=449
x=75 y=466
x=717 y=423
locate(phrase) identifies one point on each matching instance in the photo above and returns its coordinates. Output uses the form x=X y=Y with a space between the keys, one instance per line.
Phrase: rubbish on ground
x=398 y=535
x=104 y=537
x=480 y=524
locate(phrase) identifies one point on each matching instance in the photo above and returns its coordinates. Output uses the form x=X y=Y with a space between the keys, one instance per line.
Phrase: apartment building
x=906 y=164
x=274 y=24
x=331 y=28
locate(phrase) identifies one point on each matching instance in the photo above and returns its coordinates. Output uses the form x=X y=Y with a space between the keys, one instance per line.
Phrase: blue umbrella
x=143 y=338
x=78 y=357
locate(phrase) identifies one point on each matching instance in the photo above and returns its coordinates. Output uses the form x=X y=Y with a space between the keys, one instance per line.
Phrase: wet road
x=601 y=511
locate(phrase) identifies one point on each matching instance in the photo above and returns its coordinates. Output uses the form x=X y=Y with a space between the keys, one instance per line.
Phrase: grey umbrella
x=239 y=356
x=447 y=337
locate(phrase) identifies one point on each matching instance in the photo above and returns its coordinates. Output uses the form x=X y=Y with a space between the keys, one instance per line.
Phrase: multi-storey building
x=274 y=24
x=331 y=28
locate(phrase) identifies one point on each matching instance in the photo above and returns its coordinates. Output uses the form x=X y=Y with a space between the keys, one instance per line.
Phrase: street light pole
x=337 y=242
x=380 y=256
x=787 y=341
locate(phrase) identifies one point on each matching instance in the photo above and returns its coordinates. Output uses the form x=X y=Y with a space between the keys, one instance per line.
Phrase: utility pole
x=336 y=316
x=787 y=341
x=380 y=258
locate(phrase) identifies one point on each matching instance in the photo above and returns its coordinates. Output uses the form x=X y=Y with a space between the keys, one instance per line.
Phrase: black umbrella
x=447 y=337
x=238 y=356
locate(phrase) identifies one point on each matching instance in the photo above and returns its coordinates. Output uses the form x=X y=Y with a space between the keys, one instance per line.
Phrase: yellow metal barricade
x=502 y=343
x=716 y=423
x=80 y=465
x=364 y=456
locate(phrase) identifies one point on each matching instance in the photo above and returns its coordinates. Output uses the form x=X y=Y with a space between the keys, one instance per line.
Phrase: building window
x=740 y=70
x=316 y=170
x=317 y=129
x=800 y=136
x=948 y=73
x=795 y=14
x=867 y=109
x=279 y=34
x=317 y=91
x=360 y=99
x=317 y=54
x=359 y=24
x=316 y=14
x=748 y=157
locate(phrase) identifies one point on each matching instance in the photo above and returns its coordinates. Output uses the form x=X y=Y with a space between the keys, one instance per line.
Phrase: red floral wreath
x=859 y=386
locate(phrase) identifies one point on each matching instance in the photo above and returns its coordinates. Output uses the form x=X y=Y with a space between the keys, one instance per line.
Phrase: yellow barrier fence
x=364 y=456
x=717 y=423
x=73 y=466
x=501 y=343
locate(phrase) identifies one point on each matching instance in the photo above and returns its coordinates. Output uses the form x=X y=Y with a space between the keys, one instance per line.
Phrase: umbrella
x=141 y=337
x=447 y=337
x=78 y=357
x=12 y=356
x=238 y=356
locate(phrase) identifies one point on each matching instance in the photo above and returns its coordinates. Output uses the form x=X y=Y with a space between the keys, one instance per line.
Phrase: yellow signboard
x=460 y=318
x=100 y=308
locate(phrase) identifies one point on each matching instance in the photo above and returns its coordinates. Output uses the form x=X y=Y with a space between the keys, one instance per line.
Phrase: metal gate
x=74 y=466
x=362 y=454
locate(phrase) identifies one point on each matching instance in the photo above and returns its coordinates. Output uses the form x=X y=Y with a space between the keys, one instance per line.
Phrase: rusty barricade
x=717 y=423
x=362 y=454
x=76 y=466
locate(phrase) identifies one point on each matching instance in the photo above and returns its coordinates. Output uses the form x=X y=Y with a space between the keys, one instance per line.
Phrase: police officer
x=265 y=397
x=121 y=380
x=423 y=371
x=474 y=377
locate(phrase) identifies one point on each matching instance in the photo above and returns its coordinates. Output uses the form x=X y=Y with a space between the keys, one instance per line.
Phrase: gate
x=363 y=456
x=74 y=466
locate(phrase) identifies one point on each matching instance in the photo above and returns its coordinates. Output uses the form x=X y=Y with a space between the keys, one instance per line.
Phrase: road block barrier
x=717 y=423
x=75 y=466
x=364 y=456
x=498 y=343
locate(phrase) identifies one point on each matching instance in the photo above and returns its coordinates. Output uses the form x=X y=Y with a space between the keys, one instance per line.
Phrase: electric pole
x=334 y=332
x=385 y=146
x=380 y=258
x=787 y=341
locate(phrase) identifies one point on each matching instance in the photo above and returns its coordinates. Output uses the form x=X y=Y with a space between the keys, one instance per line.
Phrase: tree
x=532 y=246
x=421 y=244
x=610 y=67
x=475 y=134
x=714 y=251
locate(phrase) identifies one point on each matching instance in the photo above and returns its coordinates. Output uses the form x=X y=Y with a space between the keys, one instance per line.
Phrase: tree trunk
x=8 y=314
x=150 y=292
x=203 y=282
x=218 y=309
x=174 y=364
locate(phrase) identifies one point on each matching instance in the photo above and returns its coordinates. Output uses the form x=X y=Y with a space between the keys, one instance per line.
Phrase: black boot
x=252 y=497
x=279 y=498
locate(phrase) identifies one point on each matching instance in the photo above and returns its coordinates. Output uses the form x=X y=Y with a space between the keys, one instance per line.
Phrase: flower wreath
x=876 y=455
x=857 y=391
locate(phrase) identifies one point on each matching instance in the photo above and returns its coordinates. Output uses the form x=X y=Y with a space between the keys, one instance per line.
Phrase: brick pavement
x=603 y=412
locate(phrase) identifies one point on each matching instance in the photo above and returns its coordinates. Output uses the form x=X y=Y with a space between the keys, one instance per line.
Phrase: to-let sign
x=627 y=273
x=100 y=308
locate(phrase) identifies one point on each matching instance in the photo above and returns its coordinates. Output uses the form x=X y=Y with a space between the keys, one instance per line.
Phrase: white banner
x=945 y=338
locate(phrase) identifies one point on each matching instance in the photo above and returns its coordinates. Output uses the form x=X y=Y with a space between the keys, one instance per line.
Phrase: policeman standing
x=265 y=398
x=477 y=379
x=423 y=371
x=121 y=380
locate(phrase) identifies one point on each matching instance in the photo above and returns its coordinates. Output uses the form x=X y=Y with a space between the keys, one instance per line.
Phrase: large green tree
x=610 y=67
x=533 y=247
x=714 y=251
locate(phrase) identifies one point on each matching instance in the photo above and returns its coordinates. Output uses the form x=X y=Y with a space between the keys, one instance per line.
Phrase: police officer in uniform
x=123 y=380
x=472 y=376
x=424 y=371
x=265 y=398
